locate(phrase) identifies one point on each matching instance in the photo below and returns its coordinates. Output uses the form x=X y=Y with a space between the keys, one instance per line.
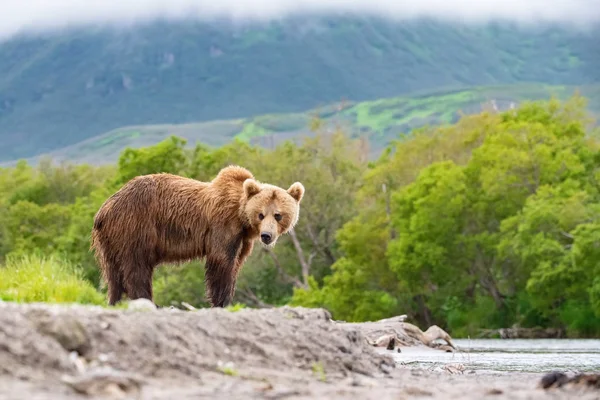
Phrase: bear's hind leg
x=113 y=278
x=137 y=280
x=115 y=291
x=140 y=287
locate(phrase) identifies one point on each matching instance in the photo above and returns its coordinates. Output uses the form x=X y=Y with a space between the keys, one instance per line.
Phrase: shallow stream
x=504 y=355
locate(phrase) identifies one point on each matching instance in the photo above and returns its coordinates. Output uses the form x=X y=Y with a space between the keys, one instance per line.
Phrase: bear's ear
x=296 y=191
x=251 y=187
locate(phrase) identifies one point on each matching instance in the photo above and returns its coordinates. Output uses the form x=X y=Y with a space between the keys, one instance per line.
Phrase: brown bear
x=165 y=218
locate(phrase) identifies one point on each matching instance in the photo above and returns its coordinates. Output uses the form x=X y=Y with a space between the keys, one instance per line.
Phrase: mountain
x=61 y=89
x=380 y=120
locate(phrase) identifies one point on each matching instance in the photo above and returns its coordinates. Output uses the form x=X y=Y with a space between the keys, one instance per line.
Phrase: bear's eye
x=261 y=216
x=277 y=217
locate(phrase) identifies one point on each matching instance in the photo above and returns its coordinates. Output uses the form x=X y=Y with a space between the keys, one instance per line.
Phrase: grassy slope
x=60 y=90
x=380 y=120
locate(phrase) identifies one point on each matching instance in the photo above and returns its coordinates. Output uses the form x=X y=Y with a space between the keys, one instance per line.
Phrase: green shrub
x=32 y=278
x=173 y=284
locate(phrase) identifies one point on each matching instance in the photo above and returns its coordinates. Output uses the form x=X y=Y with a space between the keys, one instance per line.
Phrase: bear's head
x=270 y=210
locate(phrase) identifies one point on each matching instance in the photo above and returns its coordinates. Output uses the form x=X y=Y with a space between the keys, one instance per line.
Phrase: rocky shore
x=81 y=352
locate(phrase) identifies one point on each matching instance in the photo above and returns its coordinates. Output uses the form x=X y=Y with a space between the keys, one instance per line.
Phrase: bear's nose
x=266 y=237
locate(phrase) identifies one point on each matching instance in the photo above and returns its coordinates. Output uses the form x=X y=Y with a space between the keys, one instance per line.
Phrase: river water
x=504 y=355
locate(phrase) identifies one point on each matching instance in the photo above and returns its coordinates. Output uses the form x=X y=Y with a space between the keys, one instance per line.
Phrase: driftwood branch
x=567 y=235
x=303 y=263
x=311 y=257
x=323 y=248
x=252 y=298
x=288 y=278
x=388 y=210
x=392 y=332
x=188 y=306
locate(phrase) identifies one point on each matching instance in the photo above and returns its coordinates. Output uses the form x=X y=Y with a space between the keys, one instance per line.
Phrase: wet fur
x=164 y=218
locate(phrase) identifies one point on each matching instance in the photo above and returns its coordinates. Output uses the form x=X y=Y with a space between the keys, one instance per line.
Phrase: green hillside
x=380 y=120
x=59 y=90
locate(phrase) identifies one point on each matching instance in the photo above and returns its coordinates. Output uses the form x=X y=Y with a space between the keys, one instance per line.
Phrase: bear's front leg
x=223 y=265
x=220 y=277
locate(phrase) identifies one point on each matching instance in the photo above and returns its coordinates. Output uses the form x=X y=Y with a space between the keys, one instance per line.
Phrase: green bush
x=33 y=278
x=173 y=284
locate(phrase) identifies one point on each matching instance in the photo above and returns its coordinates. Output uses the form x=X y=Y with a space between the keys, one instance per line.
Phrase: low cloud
x=18 y=16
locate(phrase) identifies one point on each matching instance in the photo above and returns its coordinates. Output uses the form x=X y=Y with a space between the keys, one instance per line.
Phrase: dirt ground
x=80 y=352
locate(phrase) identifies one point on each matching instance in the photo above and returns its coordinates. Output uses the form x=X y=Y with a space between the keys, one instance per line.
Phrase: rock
x=105 y=382
x=559 y=379
x=77 y=361
x=141 y=305
x=66 y=330
x=553 y=379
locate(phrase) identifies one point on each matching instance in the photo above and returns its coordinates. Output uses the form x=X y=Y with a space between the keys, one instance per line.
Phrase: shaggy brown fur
x=164 y=218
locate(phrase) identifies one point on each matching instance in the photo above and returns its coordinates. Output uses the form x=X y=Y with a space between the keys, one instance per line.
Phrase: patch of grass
x=251 y=130
x=235 y=307
x=227 y=370
x=319 y=370
x=282 y=122
x=380 y=115
x=442 y=107
x=33 y=278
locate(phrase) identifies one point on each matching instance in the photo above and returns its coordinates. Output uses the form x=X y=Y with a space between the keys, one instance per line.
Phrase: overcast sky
x=33 y=15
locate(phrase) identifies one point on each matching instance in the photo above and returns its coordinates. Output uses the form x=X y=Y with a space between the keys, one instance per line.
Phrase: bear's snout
x=266 y=237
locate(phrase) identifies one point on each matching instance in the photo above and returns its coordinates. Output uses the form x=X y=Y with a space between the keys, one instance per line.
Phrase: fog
x=43 y=15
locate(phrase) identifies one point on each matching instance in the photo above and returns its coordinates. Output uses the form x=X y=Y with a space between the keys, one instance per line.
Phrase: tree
x=442 y=225
x=167 y=156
